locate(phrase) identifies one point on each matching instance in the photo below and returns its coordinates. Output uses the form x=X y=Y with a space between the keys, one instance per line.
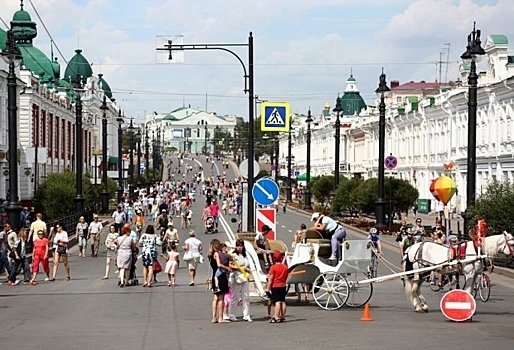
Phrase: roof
x=78 y=65
x=352 y=103
x=37 y=62
x=102 y=84
x=418 y=86
x=21 y=16
x=499 y=39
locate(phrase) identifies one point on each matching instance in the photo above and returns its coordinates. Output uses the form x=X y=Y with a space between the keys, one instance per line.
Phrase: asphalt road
x=88 y=312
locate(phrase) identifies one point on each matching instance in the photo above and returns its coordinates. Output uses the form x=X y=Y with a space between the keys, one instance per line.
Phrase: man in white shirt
x=95 y=229
x=119 y=219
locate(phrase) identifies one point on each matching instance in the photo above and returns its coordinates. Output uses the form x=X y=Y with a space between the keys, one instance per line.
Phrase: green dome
x=3 y=39
x=102 y=85
x=21 y=16
x=351 y=79
x=352 y=103
x=170 y=117
x=78 y=65
x=37 y=62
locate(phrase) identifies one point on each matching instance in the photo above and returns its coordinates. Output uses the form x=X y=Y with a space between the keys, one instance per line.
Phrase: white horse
x=428 y=254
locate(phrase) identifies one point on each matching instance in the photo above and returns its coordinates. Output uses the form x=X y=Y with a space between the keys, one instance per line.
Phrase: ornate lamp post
x=337 y=125
x=139 y=139
x=147 y=161
x=289 y=194
x=13 y=57
x=105 y=190
x=309 y=120
x=154 y=156
x=380 y=203
x=205 y=136
x=132 y=186
x=79 y=151
x=120 y=157
x=474 y=53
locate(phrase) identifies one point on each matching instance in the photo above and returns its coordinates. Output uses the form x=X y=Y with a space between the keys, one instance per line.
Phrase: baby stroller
x=132 y=279
x=209 y=225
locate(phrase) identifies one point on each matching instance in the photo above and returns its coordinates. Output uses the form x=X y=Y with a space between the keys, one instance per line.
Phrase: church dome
x=352 y=102
x=102 y=85
x=78 y=65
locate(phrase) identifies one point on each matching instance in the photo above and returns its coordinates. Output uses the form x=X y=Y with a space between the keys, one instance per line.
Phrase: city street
x=88 y=312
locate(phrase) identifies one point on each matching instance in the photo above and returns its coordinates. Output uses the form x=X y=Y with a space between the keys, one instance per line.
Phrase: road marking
x=455 y=305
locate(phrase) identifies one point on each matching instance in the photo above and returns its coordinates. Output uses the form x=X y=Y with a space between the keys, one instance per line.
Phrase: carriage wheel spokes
x=331 y=291
x=484 y=287
x=359 y=293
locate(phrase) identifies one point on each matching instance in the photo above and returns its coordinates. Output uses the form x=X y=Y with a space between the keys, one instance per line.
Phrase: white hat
x=170 y=223
x=314 y=216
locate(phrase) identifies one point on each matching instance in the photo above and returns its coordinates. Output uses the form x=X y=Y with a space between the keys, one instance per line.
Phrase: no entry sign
x=458 y=305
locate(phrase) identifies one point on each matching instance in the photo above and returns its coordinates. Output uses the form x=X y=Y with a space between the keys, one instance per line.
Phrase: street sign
x=390 y=162
x=267 y=217
x=275 y=116
x=265 y=191
x=458 y=305
x=243 y=168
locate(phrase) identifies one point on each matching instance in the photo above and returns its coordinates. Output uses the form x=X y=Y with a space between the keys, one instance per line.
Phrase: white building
x=426 y=135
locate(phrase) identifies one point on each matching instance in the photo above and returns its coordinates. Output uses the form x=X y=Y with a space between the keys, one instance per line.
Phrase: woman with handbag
x=61 y=251
x=193 y=248
x=149 y=241
x=240 y=266
x=19 y=255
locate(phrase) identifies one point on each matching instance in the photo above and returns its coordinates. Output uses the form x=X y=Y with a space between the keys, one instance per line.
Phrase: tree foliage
x=322 y=188
x=398 y=194
x=56 y=193
x=495 y=206
x=342 y=197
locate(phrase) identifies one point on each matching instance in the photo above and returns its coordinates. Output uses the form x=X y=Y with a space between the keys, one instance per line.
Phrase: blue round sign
x=265 y=191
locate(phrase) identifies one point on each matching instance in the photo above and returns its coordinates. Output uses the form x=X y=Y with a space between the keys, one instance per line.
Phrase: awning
x=113 y=160
x=303 y=177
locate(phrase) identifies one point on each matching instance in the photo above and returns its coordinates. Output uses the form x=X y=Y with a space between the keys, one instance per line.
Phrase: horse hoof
x=425 y=308
x=418 y=309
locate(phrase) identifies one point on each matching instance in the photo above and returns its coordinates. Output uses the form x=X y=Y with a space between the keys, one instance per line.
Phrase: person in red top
x=215 y=212
x=277 y=287
x=40 y=255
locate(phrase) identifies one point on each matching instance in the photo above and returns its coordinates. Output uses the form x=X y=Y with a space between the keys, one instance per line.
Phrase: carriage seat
x=274 y=245
x=313 y=236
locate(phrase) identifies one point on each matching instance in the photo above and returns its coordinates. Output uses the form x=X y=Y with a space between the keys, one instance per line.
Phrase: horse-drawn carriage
x=334 y=284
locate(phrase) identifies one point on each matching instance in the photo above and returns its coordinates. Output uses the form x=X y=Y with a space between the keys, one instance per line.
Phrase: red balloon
x=433 y=191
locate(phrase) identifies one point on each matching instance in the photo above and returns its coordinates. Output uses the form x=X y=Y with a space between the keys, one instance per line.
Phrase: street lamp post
x=309 y=120
x=474 y=53
x=277 y=151
x=13 y=56
x=120 y=157
x=105 y=190
x=147 y=161
x=380 y=203
x=79 y=151
x=205 y=139
x=132 y=187
x=289 y=190
x=337 y=125
x=249 y=88
x=139 y=139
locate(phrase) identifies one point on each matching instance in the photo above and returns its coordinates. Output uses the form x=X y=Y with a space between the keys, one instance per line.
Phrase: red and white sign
x=458 y=305
x=266 y=217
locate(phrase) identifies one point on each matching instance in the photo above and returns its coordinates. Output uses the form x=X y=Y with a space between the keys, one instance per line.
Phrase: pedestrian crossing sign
x=275 y=116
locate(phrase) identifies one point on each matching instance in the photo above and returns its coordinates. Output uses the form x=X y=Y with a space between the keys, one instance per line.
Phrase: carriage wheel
x=330 y=291
x=359 y=294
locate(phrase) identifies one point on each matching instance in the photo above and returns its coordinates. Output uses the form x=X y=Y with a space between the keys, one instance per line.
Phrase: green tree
x=342 y=197
x=56 y=193
x=495 y=206
x=398 y=194
x=322 y=187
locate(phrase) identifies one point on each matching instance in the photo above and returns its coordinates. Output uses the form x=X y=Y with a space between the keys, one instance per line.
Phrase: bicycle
x=373 y=265
x=482 y=287
x=453 y=281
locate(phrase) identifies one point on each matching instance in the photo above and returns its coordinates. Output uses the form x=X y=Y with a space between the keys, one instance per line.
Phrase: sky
x=304 y=50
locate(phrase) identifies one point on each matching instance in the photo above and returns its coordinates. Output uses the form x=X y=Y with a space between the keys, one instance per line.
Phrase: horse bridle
x=509 y=242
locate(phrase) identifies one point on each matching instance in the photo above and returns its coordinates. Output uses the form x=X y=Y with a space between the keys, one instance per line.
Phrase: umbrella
x=302 y=177
x=443 y=188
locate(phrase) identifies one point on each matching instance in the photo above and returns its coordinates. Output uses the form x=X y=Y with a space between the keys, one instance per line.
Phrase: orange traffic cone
x=366 y=314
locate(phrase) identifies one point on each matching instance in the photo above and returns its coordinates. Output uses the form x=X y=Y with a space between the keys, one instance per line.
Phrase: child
x=172 y=258
x=225 y=261
x=262 y=245
x=277 y=277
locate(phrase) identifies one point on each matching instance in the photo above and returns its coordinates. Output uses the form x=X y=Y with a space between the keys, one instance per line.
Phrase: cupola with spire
x=351 y=102
x=78 y=66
